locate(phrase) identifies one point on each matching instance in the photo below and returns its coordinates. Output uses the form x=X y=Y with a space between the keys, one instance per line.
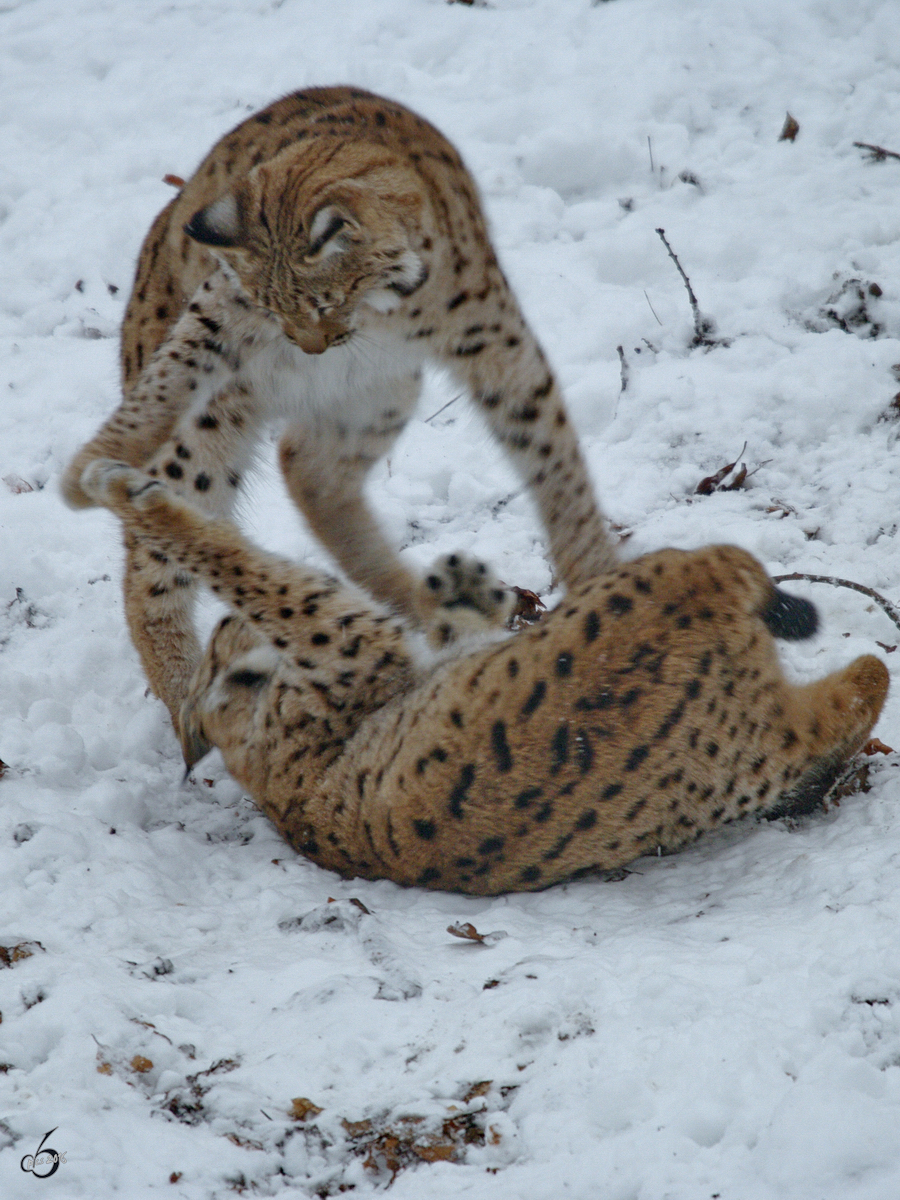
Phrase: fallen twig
x=879 y=154
x=623 y=363
x=652 y=309
x=891 y=609
x=704 y=327
x=458 y=396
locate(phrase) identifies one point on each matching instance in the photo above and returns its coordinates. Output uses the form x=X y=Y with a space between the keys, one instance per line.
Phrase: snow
x=720 y=1024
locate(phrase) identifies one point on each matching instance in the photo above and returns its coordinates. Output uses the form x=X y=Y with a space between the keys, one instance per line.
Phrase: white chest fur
x=350 y=383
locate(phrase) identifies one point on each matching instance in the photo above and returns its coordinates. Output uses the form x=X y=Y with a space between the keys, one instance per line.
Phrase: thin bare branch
x=652 y=309
x=704 y=327
x=458 y=396
x=879 y=154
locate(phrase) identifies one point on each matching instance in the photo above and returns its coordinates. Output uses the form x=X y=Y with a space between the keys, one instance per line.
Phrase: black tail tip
x=790 y=617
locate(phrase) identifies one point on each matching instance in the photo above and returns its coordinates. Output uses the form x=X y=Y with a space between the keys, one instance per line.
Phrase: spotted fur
x=648 y=708
x=325 y=249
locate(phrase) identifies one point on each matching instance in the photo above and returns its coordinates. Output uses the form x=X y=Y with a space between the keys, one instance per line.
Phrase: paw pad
x=464 y=596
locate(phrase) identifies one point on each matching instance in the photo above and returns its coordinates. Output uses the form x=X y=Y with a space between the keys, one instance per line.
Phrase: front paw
x=116 y=485
x=462 y=597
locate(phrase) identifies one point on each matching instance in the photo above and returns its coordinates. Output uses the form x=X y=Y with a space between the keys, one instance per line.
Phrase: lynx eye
x=324 y=227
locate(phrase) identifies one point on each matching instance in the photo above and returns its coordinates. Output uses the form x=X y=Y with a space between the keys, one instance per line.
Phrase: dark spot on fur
x=556 y=850
x=564 y=664
x=635 y=809
x=587 y=820
x=248 y=679
x=491 y=845
x=559 y=748
x=636 y=757
x=619 y=604
x=460 y=791
x=584 y=752
x=500 y=746
x=538 y=692
x=525 y=798
x=425 y=829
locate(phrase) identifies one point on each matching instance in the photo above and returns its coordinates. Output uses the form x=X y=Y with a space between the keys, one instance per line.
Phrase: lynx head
x=228 y=693
x=311 y=235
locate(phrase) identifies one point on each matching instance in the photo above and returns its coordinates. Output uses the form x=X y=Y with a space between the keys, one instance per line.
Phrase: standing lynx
x=324 y=250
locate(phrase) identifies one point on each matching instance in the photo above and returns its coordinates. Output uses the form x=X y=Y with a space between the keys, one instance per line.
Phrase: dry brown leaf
x=17 y=485
x=173 y=181
x=529 y=608
x=789 y=129
x=18 y=952
x=438 y=1153
x=466 y=930
x=244 y=1143
x=855 y=782
x=875 y=745
x=716 y=482
x=104 y=1068
x=477 y=1089
x=141 y=1065
x=302 y=1109
x=356 y=1128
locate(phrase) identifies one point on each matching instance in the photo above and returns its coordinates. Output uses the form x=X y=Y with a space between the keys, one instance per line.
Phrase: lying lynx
x=325 y=250
x=648 y=708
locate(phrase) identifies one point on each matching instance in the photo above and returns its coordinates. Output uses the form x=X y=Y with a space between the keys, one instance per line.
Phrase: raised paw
x=462 y=596
x=116 y=485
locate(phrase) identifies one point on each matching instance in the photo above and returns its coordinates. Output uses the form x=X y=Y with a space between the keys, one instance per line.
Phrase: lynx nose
x=316 y=337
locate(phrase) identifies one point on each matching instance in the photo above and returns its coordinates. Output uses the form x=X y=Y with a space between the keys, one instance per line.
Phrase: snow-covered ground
x=720 y=1024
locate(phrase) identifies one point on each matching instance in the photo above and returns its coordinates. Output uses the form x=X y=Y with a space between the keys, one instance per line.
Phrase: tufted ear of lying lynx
x=324 y=251
x=648 y=708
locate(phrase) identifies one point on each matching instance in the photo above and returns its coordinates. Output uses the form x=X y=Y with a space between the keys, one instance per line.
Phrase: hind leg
x=826 y=724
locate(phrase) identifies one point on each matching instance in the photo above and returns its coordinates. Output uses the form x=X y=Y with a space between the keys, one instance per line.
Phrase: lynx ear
x=325 y=228
x=218 y=224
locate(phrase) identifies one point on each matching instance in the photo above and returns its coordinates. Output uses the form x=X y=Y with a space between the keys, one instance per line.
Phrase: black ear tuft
x=790 y=617
x=217 y=224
